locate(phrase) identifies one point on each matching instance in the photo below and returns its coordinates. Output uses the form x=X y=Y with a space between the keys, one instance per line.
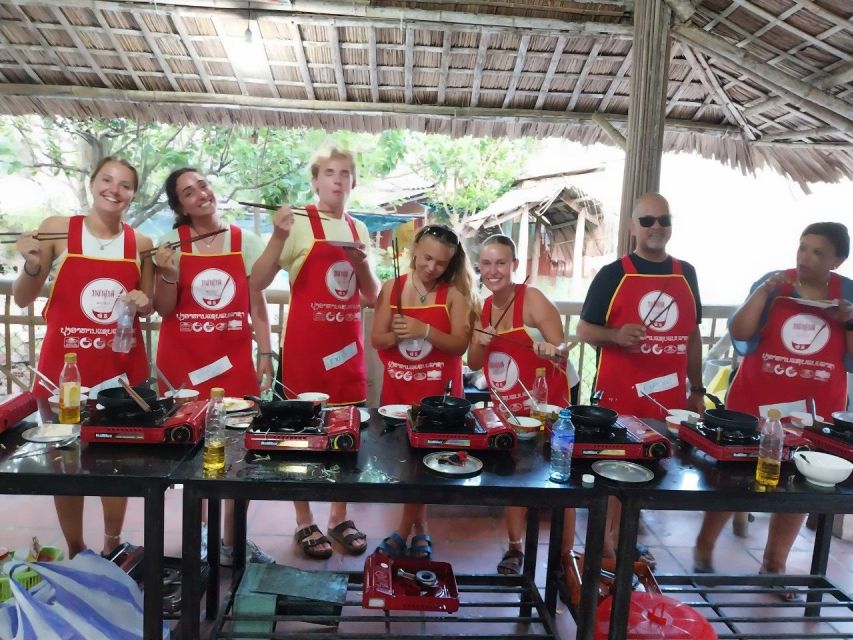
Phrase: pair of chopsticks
x=51 y=383
x=14 y=235
x=297 y=211
x=511 y=302
x=519 y=343
x=177 y=243
x=397 y=282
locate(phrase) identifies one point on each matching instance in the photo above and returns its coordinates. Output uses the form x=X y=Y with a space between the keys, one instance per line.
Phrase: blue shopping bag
x=86 y=598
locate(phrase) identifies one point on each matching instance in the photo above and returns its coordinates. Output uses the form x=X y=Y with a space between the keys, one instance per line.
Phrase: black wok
x=843 y=420
x=117 y=399
x=728 y=419
x=587 y=416
x=297 y=409
x=445 y=407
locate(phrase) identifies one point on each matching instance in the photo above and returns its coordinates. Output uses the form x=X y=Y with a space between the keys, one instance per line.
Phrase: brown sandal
x=309 y=546
x=511 y=563
x=337 y=534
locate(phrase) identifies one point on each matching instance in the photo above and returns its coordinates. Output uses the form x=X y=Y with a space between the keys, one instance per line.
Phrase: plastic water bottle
x=69 y=391
x=214 y=432
x=562 y=446
x=769 y=465
x=538 y=408
x=123 y=340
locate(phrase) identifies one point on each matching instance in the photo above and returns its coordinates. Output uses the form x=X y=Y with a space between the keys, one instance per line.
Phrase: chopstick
x=644 y=394
x=397 y=276
x=135 y=396
x=503 y=404
x=275 y=207
x=177 y=243
x=44 y=377
x=165 y=379
x=562 y=356
x=529 y=395
x=40 y=236
x=511 y=302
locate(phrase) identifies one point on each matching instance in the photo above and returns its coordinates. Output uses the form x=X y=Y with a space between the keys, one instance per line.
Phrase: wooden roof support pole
x=842 y=76
x=646 y=111
x=612 y=132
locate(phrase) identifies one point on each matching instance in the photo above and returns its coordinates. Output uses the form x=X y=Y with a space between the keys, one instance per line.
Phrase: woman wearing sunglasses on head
x=519 y=332
x=421 y=328
x=779 y=324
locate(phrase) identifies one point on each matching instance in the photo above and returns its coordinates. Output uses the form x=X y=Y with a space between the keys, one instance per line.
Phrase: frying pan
x=589 y=416
x=843 y=420
x=302 y=409
x=449 y=407
x=727 y=419
x=117 y=399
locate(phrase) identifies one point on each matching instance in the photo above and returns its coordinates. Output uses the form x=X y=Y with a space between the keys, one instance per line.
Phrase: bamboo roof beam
x=843 y=76
x=155 y=49
x=230 y=54
x=408 y=64
x=366 y=108
x=620 y=75
x=828 y=108
x=13 y=51
x=373 y=70
x=445 y=67
x=299 y=52
x=46 y=48
x=549 y=74
x=122 y=54
x=181 y=28
x=335 y=44
x=826 y=14
x=479 y=65
x=799 y=135
x=612 y=132
x=520 y=60
x=587 y=67
x=78 y=44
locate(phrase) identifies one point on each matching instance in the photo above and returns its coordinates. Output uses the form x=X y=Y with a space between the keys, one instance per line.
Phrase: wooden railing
x=23 y=330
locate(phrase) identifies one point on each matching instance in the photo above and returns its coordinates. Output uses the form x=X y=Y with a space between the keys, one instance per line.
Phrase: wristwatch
x=701 y=390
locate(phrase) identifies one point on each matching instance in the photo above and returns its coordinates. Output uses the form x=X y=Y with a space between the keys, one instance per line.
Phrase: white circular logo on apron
x=415 y=349
x=503 y=371
x=658 y=310
x=98 y=300
x=340 y=280
x=213 y=289
x=805 y=334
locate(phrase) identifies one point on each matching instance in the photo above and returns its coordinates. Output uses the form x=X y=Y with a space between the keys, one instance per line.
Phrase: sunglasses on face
x=442 y=233
x=649 y=221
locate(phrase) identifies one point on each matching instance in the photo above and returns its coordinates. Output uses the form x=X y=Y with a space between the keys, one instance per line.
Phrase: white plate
x=51 y=432
x=237 y=404
x=394 y=411
x=364 y=415
x=820 y=304
x=343 y=244
x=433 y=462
x=622 y=471
x=238 y=422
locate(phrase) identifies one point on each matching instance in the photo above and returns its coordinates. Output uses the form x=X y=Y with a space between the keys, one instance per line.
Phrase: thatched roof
x=751 y=82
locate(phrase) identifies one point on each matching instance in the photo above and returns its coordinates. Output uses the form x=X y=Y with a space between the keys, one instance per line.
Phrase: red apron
x=509 y=365
x=81 y=318
x=658 y=365
x=206 y=341
x=323 y=344
x=800 y=353
x=415 y=369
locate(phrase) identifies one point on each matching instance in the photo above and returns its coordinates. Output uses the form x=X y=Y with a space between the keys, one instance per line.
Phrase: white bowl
x=822 y=469
x=54 y=402
x=525 y=428
x=803 y=419
x=182 y=396
x=314 y=396
x=677 y=416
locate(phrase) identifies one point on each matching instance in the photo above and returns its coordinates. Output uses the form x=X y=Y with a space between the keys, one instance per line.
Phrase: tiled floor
x=472 y=539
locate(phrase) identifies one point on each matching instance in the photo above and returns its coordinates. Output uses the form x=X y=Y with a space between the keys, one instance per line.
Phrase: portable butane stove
x=301 y=429
x=728 y=445
x=478 y=429
x=829 y=438
x=160 y=425
x=629 y=438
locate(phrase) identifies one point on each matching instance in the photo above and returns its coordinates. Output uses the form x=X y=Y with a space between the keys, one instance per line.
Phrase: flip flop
x=421 y=547
x=393 y=546
x=700 y=565
x=337 y=534
x=644 y=554
x=309 y=546
x=511 y=563
x=785 y=594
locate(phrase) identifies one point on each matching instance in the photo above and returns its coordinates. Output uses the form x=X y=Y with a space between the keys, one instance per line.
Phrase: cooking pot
x=301 y=409
x=727 y=419
x=591 y=417
x=445 y=407
x=117 y=399
x=843 y=420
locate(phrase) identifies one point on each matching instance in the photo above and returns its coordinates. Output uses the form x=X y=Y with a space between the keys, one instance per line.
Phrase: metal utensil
x=447 y=389
x=529 y=395
x=165 y=379
x=50 y=382
x=55 y=445
x=503 y=404
x=810 y=405
x=660 y=406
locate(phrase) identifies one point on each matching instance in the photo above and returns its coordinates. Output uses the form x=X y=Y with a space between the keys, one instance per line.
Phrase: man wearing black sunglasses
x=642 y=314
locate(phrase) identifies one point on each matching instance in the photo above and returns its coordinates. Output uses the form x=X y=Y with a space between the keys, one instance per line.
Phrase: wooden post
x=577 y=254
x=537 y=250
x=646 y=111
x=523 y=243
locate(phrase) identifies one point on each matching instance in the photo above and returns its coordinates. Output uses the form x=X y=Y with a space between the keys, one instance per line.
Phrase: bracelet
x=701 y=390
x=163 y=278
x=32 y=275
x=429 y=328
x=267 y=354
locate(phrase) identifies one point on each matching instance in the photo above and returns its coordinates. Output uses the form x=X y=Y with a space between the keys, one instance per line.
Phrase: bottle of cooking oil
x=214 y=432
x=69 y=391
x=538 y=408
x=770 y=451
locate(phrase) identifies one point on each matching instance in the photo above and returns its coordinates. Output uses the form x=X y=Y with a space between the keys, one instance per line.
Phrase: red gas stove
x=159 y=426
x=408 y=584
x=831 y=439
x=479 y=429
x=337 y=429
x=15 y=408
x=735 y=445
x=628 y=439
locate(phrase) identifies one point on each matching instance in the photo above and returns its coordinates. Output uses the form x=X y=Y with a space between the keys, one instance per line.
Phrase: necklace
x=802 y=286
x=207 y=242
x=423 y=296
x=103 y=245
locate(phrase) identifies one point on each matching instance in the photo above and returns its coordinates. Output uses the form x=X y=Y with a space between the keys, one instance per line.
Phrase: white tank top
x=95 y=248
